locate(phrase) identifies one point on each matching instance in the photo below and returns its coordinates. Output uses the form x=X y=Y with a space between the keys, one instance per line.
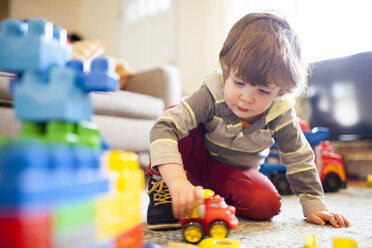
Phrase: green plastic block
x=57 y=131
x=3 y=142
x=70 y=216
x=89 y=134
x=32 y=130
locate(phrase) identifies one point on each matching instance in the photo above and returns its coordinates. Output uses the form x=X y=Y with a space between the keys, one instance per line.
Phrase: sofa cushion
x=127 y=104
x=5 y=96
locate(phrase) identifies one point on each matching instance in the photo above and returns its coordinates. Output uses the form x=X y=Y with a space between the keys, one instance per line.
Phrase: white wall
x=188 y=35
x=64 y=13
x=98 y=20
x=201 y=33
x=147 y=35
x=93 y=19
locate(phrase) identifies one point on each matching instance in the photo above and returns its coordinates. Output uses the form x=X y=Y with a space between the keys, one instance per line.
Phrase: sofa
x=124 y=117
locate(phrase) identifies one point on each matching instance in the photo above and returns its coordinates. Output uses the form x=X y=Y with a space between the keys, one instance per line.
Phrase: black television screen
x=340 y=96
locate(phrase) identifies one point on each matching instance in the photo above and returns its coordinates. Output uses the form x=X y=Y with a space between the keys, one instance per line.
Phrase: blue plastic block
x=89 y=179
x=13 y=82
x=35 y=45
x=105 y=244
x=24 y=172
x=36 y=173
x=101 y=77
x=56 y=97
x=151 y=245
x=76 y=171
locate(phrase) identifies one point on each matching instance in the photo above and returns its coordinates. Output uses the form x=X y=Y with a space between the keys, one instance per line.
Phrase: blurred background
x=189 y=33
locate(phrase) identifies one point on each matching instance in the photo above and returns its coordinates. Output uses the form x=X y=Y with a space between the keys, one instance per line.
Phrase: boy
x=217 y=137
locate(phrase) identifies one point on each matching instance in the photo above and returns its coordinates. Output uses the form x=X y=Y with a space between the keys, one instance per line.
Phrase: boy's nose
x=247 y=97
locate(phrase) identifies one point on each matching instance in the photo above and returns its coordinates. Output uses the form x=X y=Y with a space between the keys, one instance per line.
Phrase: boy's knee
x=260 y=205
x=257 y=199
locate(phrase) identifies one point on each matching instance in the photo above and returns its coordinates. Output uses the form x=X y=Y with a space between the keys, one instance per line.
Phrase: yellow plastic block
x=344 y=243
x=369 y=181
x=124 y=171
x=130 y=180
x=119 y=160
x=220 y=243
x=311 y=241
x=120 y=210
x=117 y=213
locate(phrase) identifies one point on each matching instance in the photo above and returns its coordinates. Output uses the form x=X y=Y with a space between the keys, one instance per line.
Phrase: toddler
x=218 y=136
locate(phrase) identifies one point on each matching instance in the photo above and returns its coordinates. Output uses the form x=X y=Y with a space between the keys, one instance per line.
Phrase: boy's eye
x=239 y=83
x=265 y=92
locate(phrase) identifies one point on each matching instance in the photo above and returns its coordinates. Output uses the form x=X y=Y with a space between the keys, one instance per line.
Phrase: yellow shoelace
x=162 y=195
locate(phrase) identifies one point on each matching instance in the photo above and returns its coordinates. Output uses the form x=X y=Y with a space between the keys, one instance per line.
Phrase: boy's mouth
x=242 y=109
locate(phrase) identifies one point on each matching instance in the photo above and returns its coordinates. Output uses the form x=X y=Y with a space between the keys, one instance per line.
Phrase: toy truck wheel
x=219 y=229
x=331 y=182
x=281 y=184
x=193 y=232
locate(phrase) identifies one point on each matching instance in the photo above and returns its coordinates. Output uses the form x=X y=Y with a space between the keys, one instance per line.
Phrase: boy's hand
x=320 y=218
x=184 y=195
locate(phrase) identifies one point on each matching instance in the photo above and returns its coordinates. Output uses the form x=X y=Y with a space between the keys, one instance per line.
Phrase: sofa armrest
x=163 y=82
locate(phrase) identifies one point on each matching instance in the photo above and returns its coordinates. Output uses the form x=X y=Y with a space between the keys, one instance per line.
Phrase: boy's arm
x=175 y=124
x=183 y=193
x=298 y=156
x=171 y=127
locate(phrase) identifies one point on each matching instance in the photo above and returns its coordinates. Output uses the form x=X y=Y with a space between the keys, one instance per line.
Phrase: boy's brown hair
x=261 y=48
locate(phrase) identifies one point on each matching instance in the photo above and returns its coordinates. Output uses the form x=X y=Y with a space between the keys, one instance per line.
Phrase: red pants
x=252 y=193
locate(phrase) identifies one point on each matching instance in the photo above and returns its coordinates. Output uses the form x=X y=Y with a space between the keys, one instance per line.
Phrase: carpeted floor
x=290 y=228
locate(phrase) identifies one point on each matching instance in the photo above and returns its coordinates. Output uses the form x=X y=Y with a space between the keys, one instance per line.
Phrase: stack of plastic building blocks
x=54 y=191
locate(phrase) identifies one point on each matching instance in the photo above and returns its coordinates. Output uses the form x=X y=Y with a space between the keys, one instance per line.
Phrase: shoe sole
x=163 y=226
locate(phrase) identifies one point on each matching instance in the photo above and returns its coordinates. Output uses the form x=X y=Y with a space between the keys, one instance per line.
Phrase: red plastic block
x=131 y=239
x=26 y=231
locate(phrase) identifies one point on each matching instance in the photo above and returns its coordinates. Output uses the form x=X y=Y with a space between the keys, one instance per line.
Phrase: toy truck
x=213 y=218
x=330 y=165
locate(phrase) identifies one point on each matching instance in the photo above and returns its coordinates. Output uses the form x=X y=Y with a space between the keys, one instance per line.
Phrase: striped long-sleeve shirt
x=227 y=140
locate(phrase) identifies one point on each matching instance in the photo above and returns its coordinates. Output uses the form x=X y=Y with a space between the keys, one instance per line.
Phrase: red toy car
x=330 y=166
x=213 y=218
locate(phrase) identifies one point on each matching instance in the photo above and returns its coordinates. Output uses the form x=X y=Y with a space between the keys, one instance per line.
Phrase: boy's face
x=245 y=100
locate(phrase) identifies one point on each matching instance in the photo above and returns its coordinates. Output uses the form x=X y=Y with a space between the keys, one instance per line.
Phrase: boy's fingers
x=333 y=221
x=316 y=220
x=339 y=220
x=190 y=204
x=336 y=220
x=199 y=194
x=347 y=223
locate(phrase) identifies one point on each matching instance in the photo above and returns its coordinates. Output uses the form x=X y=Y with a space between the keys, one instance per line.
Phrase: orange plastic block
x=132 y=238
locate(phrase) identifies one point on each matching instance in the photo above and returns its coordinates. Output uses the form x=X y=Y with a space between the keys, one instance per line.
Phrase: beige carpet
x=290 y=228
